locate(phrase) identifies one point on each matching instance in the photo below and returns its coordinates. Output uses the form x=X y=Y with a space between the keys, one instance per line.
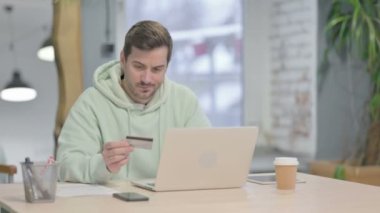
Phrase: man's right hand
x=115 y=154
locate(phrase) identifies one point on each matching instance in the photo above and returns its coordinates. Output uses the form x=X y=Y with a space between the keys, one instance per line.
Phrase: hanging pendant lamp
x=46 y=52
x=17 y=90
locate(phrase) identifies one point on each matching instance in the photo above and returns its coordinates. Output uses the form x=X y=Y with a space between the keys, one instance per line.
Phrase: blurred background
x=250 y=62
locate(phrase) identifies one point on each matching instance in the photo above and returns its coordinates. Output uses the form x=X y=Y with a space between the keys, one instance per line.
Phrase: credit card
x=140 y=142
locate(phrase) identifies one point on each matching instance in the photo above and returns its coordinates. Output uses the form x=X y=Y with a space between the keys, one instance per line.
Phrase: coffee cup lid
x=285 y=161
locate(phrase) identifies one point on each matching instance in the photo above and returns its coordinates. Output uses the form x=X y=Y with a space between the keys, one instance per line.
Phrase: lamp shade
x=46 y=52
x=17 y=90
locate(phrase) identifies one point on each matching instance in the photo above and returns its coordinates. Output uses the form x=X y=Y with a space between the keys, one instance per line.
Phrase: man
x=130 y=97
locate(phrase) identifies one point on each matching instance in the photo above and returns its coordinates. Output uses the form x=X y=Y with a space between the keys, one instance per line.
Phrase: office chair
x=9 y=170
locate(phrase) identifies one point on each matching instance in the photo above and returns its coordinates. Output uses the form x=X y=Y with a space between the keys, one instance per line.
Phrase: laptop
x=203 y=158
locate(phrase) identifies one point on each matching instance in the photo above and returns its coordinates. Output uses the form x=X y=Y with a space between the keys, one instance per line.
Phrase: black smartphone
x=130 y=196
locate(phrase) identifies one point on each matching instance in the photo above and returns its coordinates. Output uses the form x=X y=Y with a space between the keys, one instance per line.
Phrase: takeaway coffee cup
x=286 y=170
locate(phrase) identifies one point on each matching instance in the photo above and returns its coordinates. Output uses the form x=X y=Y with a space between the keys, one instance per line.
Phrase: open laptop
x=203 y=158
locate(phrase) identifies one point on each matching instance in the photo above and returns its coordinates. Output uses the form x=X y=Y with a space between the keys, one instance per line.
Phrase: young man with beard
x=130 y=97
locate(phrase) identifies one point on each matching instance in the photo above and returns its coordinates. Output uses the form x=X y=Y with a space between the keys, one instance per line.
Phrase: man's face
x=144 y=72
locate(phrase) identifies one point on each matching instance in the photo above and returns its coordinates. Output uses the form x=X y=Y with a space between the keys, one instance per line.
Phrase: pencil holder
x=40 y=181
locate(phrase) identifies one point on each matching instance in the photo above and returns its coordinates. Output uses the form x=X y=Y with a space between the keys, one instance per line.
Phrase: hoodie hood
x=107 y=80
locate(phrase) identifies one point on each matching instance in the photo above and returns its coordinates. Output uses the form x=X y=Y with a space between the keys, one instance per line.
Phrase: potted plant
x=353 y=30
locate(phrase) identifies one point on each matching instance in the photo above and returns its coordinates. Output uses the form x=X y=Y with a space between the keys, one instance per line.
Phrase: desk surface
x=318 y=194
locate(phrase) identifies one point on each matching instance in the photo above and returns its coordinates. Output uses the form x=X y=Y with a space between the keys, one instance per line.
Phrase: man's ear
x=122 y=58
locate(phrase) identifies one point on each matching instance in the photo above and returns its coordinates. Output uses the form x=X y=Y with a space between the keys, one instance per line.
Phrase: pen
x=36 y=182
x=29 y=178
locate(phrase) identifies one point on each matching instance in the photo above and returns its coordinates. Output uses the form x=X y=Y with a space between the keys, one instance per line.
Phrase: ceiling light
x=46 y=52
x=17 y=90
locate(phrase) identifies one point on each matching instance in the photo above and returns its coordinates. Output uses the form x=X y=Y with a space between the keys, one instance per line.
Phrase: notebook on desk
x=203 y=158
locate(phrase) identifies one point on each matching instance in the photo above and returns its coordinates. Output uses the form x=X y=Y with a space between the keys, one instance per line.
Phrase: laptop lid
x=205 y=158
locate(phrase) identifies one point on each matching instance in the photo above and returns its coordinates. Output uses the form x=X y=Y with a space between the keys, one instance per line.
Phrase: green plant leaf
x=376 y=79
x=353 y=28
x=343 y=36
x=336 y=21
x=374 y=106
x=340 y=172
x=356 y=13
x=359 y=40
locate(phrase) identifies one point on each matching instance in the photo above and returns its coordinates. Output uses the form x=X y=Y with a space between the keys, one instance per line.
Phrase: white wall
x=280 y=72
x=93 y=17
x=256 y=64
x=26 y=129
x=340 y=116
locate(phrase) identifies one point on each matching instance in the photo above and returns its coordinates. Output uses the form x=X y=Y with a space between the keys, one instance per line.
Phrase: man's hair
x=147 y=35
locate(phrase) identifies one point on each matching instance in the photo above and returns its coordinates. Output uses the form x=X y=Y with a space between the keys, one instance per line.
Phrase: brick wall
x=293 y=52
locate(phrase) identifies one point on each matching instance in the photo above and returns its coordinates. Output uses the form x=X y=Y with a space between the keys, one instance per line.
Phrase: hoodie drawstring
x=129 y=133
x=160 y=130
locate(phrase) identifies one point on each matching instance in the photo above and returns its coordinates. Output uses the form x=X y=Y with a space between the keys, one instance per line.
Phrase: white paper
x=78 y=189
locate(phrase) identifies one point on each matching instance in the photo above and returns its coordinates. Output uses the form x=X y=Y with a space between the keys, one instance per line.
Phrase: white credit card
x=140 y=142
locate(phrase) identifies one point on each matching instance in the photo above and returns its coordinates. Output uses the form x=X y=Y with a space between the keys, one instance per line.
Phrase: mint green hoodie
x=105 y=113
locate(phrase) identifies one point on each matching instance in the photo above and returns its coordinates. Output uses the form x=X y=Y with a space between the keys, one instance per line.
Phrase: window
x=206 y=57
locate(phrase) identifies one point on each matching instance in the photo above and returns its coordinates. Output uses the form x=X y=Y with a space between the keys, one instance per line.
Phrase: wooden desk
x=318 y=194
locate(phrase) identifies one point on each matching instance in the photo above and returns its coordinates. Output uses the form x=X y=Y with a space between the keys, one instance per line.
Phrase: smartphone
x=130 y=196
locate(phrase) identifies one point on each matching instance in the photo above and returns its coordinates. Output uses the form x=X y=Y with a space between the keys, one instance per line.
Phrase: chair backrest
x=9 y=170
